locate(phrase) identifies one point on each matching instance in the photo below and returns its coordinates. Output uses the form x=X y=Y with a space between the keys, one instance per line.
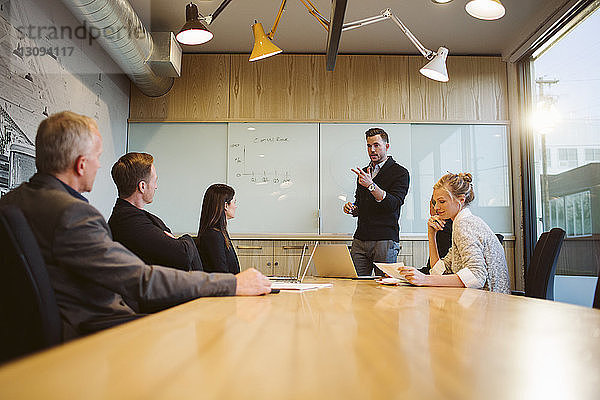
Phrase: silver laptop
x=334 y=261
x=301 y=272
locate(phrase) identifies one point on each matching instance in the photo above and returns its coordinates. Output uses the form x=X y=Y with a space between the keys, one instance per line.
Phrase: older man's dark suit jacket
x=144 y=234
x=96 y=279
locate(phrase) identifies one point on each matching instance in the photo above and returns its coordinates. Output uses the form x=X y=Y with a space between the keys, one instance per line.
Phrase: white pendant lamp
x=485 y=9
x=436 y=68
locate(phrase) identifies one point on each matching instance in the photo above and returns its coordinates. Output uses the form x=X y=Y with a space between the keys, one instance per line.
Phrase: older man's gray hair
x=60 y=139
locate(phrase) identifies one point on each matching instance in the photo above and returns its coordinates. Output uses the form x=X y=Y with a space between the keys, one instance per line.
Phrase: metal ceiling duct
x=116 y=26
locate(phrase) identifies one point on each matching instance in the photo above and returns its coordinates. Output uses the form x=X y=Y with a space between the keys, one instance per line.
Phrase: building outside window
x=592 y=155
x=567 y=158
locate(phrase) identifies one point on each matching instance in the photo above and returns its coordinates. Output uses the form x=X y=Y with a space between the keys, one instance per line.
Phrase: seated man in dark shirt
x=143 y=233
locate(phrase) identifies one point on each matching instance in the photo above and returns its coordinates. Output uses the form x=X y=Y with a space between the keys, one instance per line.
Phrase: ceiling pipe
x=118 y=29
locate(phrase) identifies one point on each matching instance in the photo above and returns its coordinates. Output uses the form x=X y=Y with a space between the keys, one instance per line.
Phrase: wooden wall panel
x=200 y=94
x=366 y=88
x=476 y=91
x=297 y=88
x=142 y=107
x=278 y=88
x=363 y=88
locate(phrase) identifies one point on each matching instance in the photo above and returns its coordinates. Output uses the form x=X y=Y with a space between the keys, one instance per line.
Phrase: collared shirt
x=375 y=168
x=72 y=191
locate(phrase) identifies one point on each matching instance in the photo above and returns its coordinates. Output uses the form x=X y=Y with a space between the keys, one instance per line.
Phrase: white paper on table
x=392 y=269
x=299 y=286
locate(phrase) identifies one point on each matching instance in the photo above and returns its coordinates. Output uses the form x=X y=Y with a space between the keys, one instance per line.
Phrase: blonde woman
x=476 y=257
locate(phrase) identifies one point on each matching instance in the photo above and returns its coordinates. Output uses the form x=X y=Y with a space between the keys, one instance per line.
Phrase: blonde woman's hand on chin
x=435 y=223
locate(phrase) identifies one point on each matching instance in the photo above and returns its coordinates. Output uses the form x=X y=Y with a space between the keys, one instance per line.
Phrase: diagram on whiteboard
x=243 y=168
x=274 y=171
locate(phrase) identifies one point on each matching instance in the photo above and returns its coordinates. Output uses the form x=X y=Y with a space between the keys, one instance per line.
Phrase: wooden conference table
x=357 y=340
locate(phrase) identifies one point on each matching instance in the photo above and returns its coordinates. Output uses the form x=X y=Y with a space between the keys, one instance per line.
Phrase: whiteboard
x=295 y=177
x=481 y=150
x=344 y=146
x=428 y=151
x=188 y=158
x=274 y=170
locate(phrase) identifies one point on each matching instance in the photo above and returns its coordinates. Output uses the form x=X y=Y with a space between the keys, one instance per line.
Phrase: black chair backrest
x=30 y=318
x=597 y=295
x=500 y=238
x=530 y=274
x=539 y=281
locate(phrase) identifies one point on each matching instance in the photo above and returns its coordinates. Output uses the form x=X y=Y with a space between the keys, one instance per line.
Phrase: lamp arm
x=428 y=54
x=363 y=22
x=271 y=33
x=312 y=10
x=210 y=18
x=388 y=14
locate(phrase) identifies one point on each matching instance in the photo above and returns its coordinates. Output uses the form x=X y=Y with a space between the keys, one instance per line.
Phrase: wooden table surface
x=357 y=340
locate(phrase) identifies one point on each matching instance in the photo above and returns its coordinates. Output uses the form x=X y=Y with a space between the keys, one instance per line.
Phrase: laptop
x=334 y=261
x=301 y=273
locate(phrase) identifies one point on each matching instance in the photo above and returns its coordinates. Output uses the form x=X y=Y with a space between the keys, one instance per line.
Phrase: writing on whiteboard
x=241 y=169
x=271 y=139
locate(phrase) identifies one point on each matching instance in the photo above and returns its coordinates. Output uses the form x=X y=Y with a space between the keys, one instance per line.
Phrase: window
x=578 y=212
x=567 y=158
x=592 y=155
x=566 y=109
x=557 y=212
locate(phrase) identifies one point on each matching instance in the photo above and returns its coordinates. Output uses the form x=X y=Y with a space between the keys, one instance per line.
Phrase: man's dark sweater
x=144 y=234
x=379 y=220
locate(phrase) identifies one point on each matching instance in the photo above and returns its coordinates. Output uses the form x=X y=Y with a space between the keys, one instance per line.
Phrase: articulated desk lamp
x=435 y=69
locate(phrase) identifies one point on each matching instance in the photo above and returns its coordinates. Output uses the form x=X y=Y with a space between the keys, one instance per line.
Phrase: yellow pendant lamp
x=263 y=47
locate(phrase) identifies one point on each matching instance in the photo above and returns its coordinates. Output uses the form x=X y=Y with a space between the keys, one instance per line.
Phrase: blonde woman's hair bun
x=465 y=176
x=457 y=185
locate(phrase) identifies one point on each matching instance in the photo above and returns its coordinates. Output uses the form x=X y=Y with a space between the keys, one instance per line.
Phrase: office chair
x=500 y=238
x=28 y=310
x=539 y=279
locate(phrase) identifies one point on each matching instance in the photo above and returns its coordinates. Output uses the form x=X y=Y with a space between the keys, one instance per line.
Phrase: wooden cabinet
x=275 y=257
x=255 y=254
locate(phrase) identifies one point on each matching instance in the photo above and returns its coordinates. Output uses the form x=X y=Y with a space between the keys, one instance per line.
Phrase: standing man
x=144 y=233
x=380 y=191
x=98 y=283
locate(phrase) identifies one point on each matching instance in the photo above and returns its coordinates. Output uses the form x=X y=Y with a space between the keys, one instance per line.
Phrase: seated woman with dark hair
x=476 y=258
x=213 y=242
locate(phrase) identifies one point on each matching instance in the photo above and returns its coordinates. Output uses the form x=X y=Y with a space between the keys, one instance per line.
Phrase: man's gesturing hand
x=364 y=178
